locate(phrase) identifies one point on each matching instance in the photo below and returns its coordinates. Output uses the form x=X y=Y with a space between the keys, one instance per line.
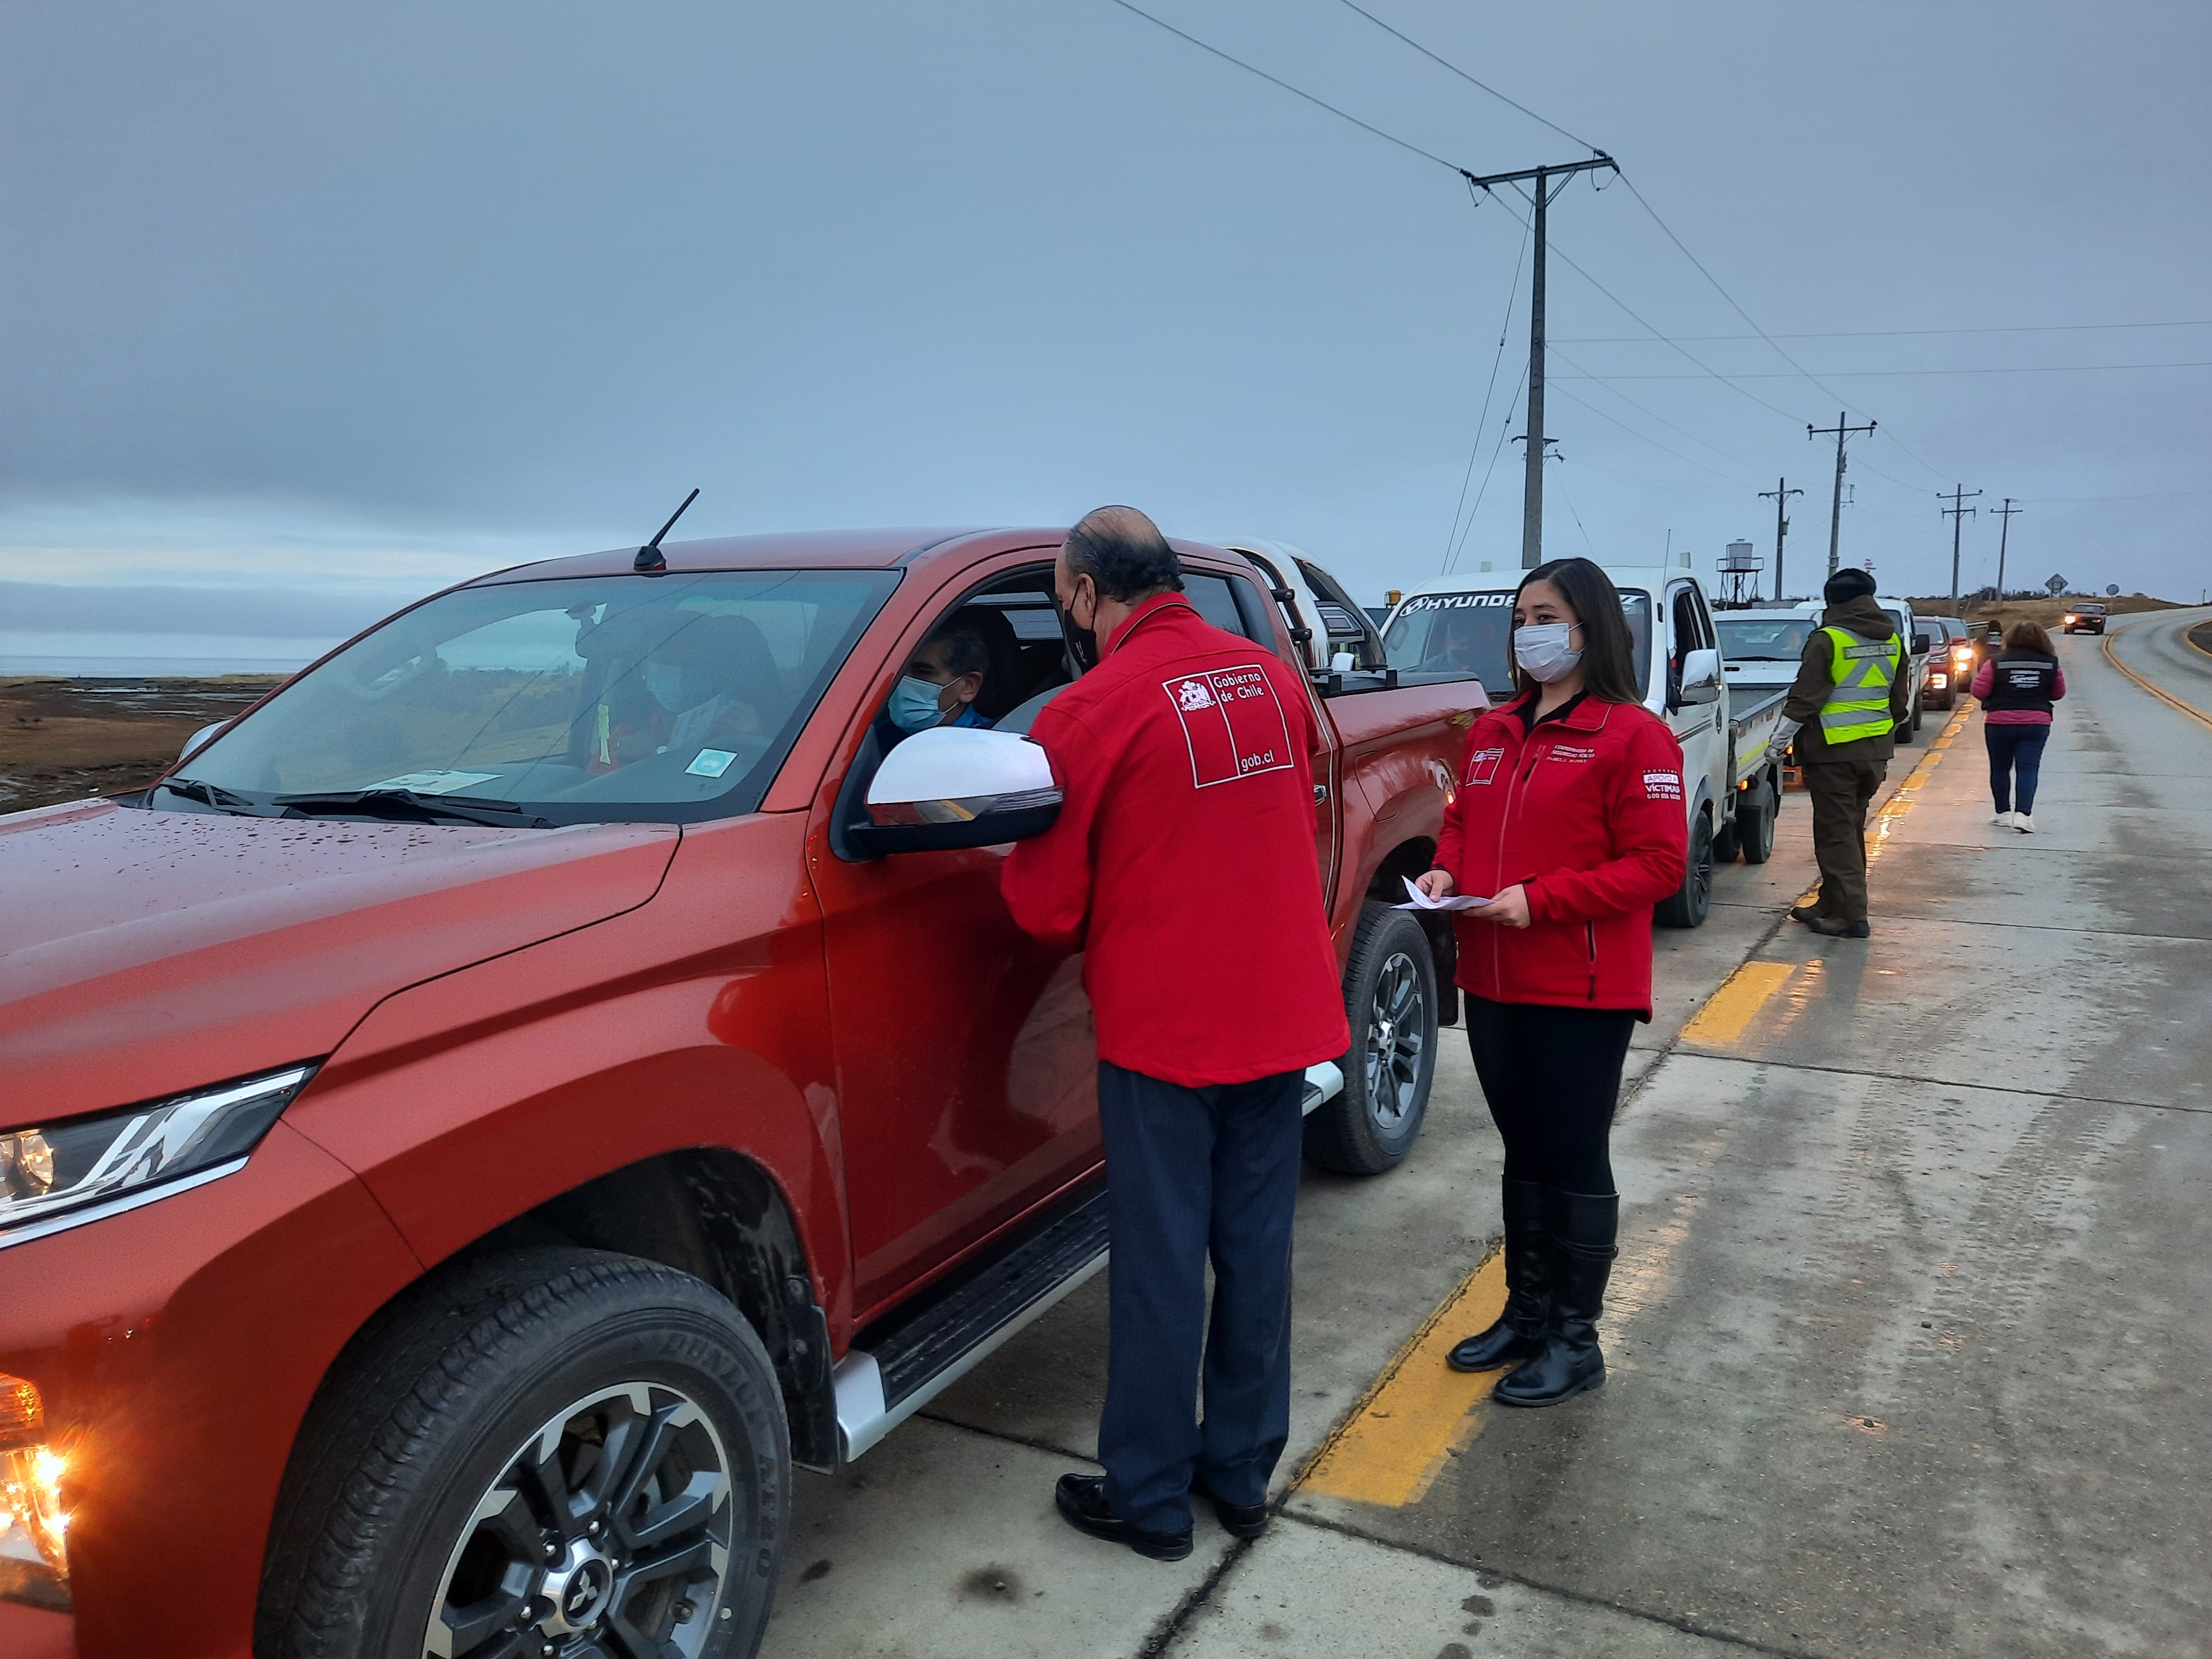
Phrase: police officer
x=1850 y=696
x=1182 y=864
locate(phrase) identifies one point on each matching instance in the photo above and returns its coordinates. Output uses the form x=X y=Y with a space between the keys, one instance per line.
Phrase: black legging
x=1553 y=1078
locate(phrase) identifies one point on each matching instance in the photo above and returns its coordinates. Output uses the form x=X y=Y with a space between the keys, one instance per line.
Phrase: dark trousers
x=1842 y=790
x=1194 y=1173
x=1551 y=1076
x=2015 y=763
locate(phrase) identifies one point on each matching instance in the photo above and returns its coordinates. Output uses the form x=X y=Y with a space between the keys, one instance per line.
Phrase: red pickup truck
x=503 y=1100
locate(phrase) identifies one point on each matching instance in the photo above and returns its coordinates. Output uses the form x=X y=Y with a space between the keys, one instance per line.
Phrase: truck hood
x=142 y=953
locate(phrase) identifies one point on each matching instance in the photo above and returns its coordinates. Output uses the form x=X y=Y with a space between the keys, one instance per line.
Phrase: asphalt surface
x=1907 y=1337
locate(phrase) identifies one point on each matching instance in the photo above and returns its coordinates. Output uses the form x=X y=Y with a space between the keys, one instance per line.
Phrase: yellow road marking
x=1420 y=1411
x=2189 y=639
x=2112 y=657
x=1729 y=1010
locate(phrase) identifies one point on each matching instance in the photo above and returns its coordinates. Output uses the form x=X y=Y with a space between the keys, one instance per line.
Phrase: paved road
x=1908 y=1340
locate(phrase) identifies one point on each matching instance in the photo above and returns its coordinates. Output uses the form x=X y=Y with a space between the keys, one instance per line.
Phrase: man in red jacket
x=1183 y=862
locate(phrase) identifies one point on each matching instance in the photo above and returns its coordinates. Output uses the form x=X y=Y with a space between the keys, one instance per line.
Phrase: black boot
x=1581 y=1227
x=1519 y=1331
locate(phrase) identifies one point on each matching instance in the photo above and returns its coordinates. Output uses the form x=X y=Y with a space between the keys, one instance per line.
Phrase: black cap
x=1848 y=583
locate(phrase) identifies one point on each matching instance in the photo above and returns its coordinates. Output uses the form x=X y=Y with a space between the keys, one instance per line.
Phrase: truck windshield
x=575 y=700
x=1764 y=639
x=1452 y=636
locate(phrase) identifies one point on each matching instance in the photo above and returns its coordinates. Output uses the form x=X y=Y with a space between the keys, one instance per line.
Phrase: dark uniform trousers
x=1842 y=790
x=1194 y=1173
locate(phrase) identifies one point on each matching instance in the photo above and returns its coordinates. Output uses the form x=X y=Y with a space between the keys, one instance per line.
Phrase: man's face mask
x=1082 y=641
x=912 y=707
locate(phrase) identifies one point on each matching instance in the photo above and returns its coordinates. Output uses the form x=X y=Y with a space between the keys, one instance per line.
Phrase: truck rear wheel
x=1390 y=999
x=1688 y=906
x=1754 y=822
x=555 y=1453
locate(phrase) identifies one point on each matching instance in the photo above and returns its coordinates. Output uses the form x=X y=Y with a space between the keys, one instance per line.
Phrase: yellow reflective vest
x=1864 y=670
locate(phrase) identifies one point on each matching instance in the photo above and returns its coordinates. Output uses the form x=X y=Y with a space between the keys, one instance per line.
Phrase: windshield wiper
x=468 y=809
x=210 y=794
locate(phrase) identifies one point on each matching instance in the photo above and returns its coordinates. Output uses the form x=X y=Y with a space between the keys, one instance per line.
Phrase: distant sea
x=180 y=656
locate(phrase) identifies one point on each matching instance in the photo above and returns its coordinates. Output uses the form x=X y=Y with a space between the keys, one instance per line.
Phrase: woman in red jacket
x=1569 y=818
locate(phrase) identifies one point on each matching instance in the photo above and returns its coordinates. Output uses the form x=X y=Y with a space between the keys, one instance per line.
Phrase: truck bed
x=1751 y=728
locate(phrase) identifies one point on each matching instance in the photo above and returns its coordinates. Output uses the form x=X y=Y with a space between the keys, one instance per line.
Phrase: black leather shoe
x=1805 y=912
x=1835 y=927
x=1238 y=1520
x=1082 y=1501
x=1582 y=1226
x=1519 y=1332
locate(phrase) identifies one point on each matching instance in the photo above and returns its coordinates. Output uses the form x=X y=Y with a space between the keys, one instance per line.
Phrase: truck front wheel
x=556 y=1454
x=1390 y=1000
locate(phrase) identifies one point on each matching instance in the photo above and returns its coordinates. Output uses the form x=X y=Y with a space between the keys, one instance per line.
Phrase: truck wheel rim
x=607 y=1534
x=1396 y=1036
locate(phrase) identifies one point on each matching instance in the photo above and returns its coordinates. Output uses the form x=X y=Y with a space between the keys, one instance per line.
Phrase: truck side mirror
x=1701 y=677
x=955 y=786
x=199 y=737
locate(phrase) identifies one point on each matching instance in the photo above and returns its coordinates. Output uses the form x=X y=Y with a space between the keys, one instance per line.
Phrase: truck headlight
x=61 y=1175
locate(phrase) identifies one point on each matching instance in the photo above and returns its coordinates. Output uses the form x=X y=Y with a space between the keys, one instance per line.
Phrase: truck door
x=1701 y=728
x=1272 y=626
x=965 y=1049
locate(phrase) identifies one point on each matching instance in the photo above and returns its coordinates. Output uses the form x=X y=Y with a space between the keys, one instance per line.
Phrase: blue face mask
x=665 y=682
x=912 y=707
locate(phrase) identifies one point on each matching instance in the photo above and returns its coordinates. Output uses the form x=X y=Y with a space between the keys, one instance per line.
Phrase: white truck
x=1731 y=791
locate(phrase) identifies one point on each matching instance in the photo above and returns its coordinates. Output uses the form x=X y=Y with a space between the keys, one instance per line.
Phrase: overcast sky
x=358 y=300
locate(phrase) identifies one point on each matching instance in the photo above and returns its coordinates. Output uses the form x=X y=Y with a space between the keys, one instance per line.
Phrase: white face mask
x=1542 y=650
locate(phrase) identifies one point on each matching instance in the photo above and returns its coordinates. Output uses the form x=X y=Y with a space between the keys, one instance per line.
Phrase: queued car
x=556 y=1063
x=2085 y=618
x=1953 y=657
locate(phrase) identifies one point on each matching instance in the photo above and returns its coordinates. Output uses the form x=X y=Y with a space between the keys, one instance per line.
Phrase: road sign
x=2057 y=585
x=2112 y=590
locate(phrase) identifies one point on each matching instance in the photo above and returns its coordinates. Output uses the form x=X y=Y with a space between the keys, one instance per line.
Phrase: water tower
x=1741 y=566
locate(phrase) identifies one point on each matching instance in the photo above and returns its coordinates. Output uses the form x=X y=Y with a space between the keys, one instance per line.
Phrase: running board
x=903 y=1363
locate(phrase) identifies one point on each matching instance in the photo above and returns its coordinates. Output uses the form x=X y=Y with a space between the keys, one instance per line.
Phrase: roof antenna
x=650 y=559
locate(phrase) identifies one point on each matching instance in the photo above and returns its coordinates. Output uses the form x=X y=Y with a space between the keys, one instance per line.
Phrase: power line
x=1688 y=460
x=1480 y=85
x=1295 y=92
x=1895 y=374
x=1503 y=427
x=1893 y=333
x=1641 y=409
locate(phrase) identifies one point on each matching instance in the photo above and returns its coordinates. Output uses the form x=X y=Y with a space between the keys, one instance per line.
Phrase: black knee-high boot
x=1582 y=1226
x=1519 y=1331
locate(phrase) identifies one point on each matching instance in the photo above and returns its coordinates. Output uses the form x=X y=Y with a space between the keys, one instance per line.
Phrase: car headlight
x=65 y=1174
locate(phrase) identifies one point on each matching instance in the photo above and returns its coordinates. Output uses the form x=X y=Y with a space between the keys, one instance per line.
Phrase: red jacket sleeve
x=1645 y=819
x=1985 y=677
x=1452 y=837
x=1047 y=879
x=2057 y=683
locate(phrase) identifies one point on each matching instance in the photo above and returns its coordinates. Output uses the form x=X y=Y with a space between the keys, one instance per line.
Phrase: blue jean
x=2015 y=763
x=1194 y=1173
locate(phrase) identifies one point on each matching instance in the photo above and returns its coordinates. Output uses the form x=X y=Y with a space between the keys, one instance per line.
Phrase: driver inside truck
x=940 y=682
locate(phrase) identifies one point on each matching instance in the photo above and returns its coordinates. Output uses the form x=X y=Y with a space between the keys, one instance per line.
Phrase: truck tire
x=1754 y=822
x=548 y=1444
x=1390 y=999
x=1689 y=905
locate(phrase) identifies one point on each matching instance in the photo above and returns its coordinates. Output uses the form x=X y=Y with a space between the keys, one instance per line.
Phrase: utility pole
x=1958 y=513
x=1532 y=491
x=2004 y=513
x=1780 y=495
x=1836 y=513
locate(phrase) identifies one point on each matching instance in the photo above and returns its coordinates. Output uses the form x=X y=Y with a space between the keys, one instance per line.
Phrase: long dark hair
x=1608 y=653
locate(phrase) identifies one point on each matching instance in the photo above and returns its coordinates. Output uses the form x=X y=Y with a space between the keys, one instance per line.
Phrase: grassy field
x=66 y=739
x=2046 y=611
